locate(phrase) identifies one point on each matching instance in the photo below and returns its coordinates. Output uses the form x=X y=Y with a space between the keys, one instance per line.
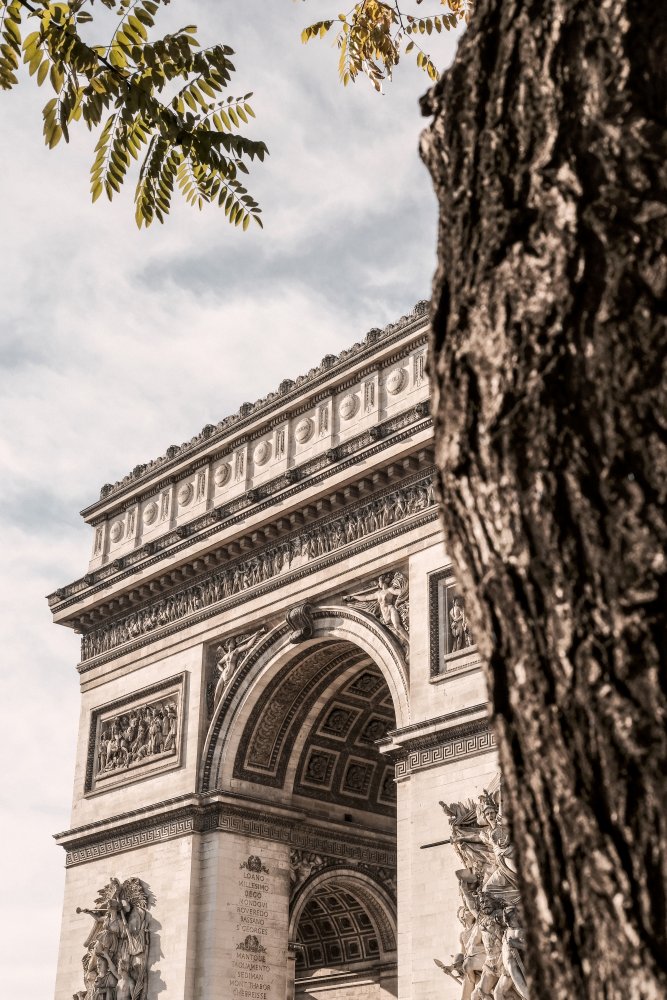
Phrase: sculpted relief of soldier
x=229 y=656
x=387 y=600
x=133 y=737
x=115 y=965
x=489 y=963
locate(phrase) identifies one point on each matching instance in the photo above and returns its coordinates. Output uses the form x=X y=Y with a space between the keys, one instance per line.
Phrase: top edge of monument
x=248 y=413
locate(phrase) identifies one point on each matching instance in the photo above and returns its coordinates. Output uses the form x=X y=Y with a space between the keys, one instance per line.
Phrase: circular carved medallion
x=117 y=530
x=396 y=381
x=349 y=407
x=262 y=452
x=150 y=512
x=304 y=430
x=185 y=494
x=222 y=474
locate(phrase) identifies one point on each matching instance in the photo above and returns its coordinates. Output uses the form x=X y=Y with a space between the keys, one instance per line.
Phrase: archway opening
x=344 y=940
x=310 y=724
x=312 y=735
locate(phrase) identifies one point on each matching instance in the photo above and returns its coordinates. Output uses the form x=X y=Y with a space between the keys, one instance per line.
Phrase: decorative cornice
x=184 y=595
x=199 y=814
x=288 y=391
x=220 y=519
x=439 y=722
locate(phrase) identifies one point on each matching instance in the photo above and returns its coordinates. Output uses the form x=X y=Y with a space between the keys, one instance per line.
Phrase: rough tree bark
x=549 y=369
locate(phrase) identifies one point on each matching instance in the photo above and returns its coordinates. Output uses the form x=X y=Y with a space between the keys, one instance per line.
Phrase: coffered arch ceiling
x=313 y=731
x=342 y=920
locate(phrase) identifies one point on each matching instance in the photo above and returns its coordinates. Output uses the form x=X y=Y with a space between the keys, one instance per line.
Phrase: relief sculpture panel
x=136 y=736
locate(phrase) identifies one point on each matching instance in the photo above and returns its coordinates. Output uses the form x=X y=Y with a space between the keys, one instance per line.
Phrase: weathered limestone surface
x=278 y=686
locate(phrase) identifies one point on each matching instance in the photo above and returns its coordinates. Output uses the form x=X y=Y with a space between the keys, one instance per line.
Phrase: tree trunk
x=549 y=369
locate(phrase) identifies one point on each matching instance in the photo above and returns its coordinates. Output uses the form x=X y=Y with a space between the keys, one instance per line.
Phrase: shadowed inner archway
x=314 y=731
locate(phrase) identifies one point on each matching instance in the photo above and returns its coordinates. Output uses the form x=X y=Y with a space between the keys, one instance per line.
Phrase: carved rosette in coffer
x=137 y=736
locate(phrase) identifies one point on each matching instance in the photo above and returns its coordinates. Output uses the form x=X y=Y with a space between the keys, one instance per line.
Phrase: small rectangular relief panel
x=452 y=643
x=136 y=737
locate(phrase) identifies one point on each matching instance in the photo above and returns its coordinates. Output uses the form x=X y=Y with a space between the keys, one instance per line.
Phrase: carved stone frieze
x=198 y=814
x=273 y=562
x=303 y=864
x=396 y=381
x=150 y=512
x=490 y=961
x=315 y=470
x=116 y=531
x=304 y=430
x=115 y=965
x=185 y=494
x=222 y=473
x=349 y=406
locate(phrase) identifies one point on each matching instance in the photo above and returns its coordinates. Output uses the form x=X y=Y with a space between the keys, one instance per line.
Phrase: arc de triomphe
x=278 y=686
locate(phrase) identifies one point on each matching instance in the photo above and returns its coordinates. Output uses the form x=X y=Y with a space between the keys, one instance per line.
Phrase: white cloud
x=115 y=344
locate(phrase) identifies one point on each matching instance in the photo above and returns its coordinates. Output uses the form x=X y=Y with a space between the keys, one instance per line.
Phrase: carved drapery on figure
x=115 y=965
x=229 y=657
x=388 y=601
x=459 y=627
x=302 y=866
x=489 y=963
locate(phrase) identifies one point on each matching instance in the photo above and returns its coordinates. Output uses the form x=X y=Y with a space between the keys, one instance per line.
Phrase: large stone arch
x=272 y=655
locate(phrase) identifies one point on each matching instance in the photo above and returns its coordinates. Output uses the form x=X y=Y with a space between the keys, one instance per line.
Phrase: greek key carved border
x=198 y=818
x=447 y=750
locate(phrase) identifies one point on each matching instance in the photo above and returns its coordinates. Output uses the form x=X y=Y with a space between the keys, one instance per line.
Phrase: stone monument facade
x=279 y=684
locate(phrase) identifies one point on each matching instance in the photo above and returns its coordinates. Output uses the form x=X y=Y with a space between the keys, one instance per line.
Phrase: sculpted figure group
x=115 y=965
x=133 y=737
x=268 y=563
x=489 y=964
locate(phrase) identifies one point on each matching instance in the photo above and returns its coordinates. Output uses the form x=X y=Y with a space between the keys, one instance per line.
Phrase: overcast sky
x=115 y=344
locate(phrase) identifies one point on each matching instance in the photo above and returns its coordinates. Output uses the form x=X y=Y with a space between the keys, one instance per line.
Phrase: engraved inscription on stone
x=251 y=975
